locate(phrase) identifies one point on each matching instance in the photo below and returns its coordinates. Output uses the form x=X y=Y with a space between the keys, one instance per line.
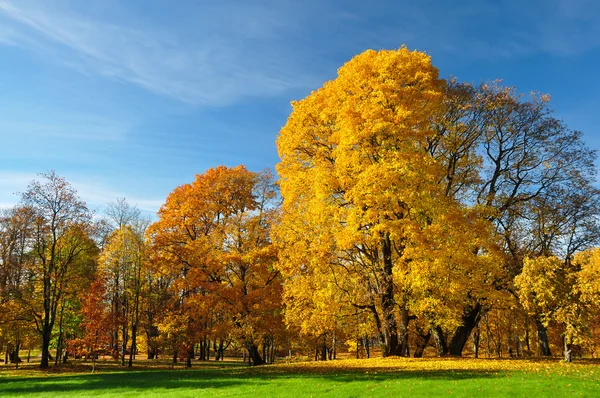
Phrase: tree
x=214 y=237
x=507 y=153
x=15 y=278
x=95 y=318
x=363 y=203
x=61 y=235
x=123 y=259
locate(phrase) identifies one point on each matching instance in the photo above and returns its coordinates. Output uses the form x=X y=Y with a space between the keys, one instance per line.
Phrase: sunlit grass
x=344 y=378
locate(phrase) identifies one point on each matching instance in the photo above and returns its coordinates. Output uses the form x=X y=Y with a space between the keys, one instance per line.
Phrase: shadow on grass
x=210 y=378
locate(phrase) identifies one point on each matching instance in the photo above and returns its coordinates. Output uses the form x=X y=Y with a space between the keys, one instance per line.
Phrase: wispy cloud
x=203 y=64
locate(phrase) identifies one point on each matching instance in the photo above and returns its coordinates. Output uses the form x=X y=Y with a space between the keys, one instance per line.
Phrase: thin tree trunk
x=476 y=337
x=365 y=341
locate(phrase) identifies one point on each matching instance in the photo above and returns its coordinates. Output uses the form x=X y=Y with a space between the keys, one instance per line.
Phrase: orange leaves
x=213 y=237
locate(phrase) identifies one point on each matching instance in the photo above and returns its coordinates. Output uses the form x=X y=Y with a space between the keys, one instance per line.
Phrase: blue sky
x=132 y=98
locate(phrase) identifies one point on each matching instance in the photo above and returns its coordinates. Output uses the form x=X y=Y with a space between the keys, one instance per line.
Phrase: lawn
x=342 y=378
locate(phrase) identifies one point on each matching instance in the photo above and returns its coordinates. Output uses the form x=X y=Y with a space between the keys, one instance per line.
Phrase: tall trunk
x=403 y=332
x=151 y=333
x=542 y=338
x=202 y=350
x=45 y=346
x=220 y=350
x=133 y=344
x=255 y=355
x=390 y=324
x=14 y=356
x=470 y=321
x=123 y=346
x=334 y=344
x=476 y=336
x=440 y=341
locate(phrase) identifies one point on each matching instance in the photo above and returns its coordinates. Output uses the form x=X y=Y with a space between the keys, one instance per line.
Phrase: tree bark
x=440 y=341
x=255 y=355
x=476 y=336
x=365 y=341
x=568 y=350
x=45 y=346
x=390 y=324
x=422 y=342
x=470 y=321
x=542 y=338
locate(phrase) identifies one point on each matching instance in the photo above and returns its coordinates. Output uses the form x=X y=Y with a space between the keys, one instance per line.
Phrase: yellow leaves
x=588 y=278
x=539 y=284
x=390 y=364
x=355 y=171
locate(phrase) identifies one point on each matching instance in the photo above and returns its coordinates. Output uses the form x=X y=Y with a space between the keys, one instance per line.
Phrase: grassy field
x=342 y=378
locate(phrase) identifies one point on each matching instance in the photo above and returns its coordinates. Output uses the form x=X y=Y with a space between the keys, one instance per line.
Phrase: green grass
x=397 y=378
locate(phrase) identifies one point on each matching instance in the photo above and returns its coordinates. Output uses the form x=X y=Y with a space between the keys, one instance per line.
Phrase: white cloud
x=204 y=64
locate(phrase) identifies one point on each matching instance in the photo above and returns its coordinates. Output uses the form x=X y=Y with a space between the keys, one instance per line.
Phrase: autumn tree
x=16 y=280
x=214 y=237
x=363 y=202
x=61 y=233
x=506 y=153
x=95 y=318
x=123 y=260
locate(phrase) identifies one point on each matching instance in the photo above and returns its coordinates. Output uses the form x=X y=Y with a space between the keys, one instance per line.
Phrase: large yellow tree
x=364 y=206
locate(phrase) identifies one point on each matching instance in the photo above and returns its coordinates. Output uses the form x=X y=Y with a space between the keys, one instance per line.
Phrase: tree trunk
x=151 y=333
x=390 y=324
x=403 y=333
x=45 y=346
x=476 y=336
x=365 y=340
x=255 y=355
x=334 y=343
x=470 y=321
x=190 y=356
x=568 y=349
x=543 y=338
x=422 y=342
x=14 y=355
x=133 y=344
x=439 y=339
